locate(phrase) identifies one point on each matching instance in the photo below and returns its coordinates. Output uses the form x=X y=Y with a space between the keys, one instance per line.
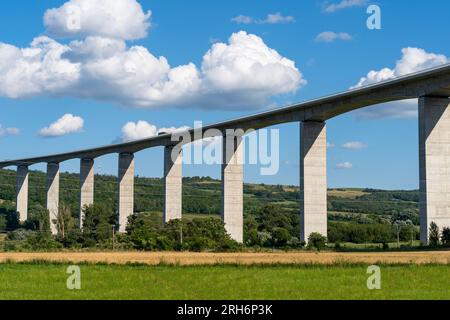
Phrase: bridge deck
x=431 y=82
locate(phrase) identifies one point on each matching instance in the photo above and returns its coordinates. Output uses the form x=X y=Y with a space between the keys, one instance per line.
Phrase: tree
x=446 y=237
x=280 y=237
x=64 y=222
x=434 y=234
x=97 y=225
x=317 y=241
x=43 y=219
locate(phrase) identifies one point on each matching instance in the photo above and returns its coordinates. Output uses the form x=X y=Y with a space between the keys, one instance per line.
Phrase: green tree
x=280 y=237
x=434 y=235
x=97 y=225
x=446 y=236
x=317 y=241
x=64 y=221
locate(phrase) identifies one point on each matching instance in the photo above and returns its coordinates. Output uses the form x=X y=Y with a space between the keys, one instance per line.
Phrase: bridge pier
x=173 y=183
x=233 y=187
x=434 y=162
x=313 y=179
x=22 y=193
x=52 y=186
x=86 y=187
x=126 y=189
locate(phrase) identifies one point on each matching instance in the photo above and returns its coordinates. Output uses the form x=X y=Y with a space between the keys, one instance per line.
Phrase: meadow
x=47 y=281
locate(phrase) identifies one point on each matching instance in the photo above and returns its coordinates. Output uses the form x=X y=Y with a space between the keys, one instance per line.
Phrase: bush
x=97 y=224
x=317 y=241
x=434 y=235
x=280 y=237
x=446 y=237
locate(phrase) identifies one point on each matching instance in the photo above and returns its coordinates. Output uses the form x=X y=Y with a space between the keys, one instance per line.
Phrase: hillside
x=202 y=196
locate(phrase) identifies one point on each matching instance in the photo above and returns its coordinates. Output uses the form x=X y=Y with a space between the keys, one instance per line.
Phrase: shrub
x=280 y=237
x=446 y=237
x=434 y=235
x=317 y=241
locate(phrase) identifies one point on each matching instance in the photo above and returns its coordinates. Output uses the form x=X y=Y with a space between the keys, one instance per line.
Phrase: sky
x=124 y=69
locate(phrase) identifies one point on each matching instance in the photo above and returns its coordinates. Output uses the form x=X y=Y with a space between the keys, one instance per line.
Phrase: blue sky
x=183 y=31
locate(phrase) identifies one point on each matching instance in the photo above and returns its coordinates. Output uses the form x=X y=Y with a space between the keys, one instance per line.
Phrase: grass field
x=48 y=281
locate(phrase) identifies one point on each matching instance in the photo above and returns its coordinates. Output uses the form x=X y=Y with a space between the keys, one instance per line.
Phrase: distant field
x=346 y=193
x=48 y=281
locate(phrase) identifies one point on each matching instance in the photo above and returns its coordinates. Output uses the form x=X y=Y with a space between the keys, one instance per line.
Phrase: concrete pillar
x=434 y=162
x=173 y=183
x=86 y=186
x=22 y=193
x=126 y=189
x=52 y=187
x=233 y=187
x=313 y=179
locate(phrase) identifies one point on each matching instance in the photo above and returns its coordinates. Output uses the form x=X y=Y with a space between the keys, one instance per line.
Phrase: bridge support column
x=22 y=193
x=126 y=189
x=173 y=183
x=86 y=187
x=434 y=162
x=52 y=187
x=233 y=187
x=313 y=179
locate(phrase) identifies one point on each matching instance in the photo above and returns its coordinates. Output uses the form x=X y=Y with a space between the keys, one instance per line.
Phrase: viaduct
x=431 y=87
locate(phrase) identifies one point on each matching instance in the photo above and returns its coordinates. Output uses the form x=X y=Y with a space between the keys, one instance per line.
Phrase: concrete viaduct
x=431 y=86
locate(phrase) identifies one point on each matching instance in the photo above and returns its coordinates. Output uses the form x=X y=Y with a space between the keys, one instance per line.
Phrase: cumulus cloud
x=330 y=36
x=8 y=131
x=123 y=19
x=412 y=60
x=354 y=145
x=272 y=18
x=246 y=69
x=344 y=4
x=344 y=166
x=67 y=124
x=37 y=69
x=330 y=145
x=243 y=73
x=133 y=131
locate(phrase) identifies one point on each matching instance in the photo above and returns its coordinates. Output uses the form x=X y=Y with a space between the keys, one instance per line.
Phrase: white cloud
x=36 y=70
x=272 y=18
x=241 y=19
x=276 y=18
x=247 y=70
x=412 y=60
x=330 y=145
x=344 y=166
x=133 y=131
x=344 y=4
x=8 y=131
x=243 y=73
x=355 y=145
x=123 y=19
x=67 y=124
x=330 y=36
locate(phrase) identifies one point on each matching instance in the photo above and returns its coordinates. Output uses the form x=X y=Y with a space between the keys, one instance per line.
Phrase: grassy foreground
x=48 y=281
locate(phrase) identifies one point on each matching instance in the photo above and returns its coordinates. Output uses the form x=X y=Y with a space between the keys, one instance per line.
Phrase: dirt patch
x=185 y=258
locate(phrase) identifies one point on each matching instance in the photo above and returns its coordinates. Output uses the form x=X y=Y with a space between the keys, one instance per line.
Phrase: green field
x=48 y=281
